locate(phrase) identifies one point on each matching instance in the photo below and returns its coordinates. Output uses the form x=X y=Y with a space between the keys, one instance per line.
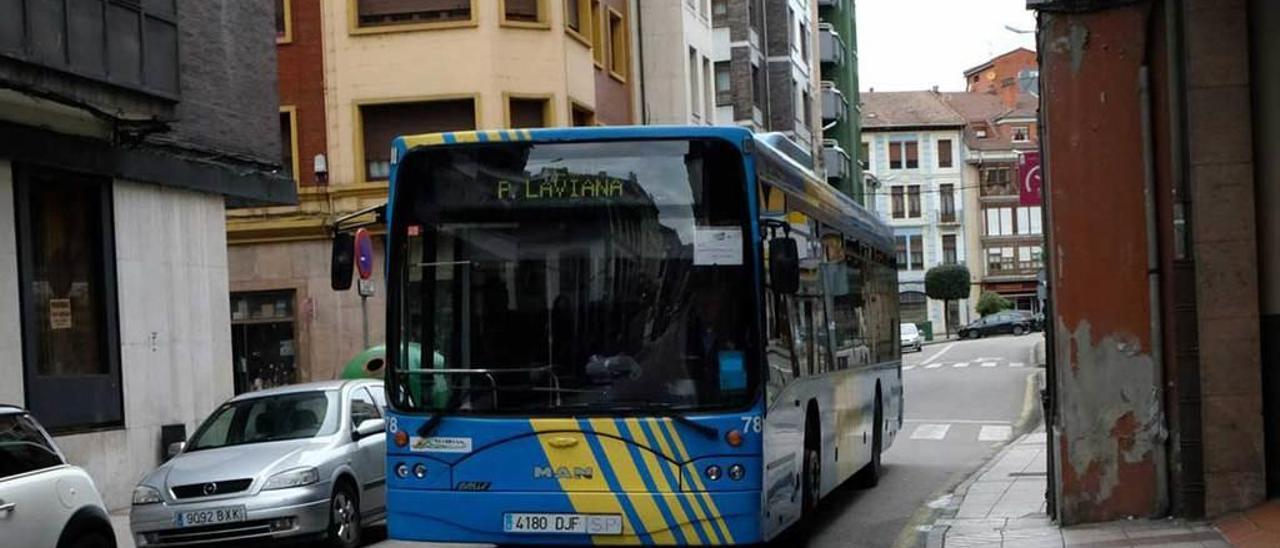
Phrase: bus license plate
x=580 y=524
x=212 y=516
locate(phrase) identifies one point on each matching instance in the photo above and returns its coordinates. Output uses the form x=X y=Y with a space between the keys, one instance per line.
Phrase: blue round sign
x=364 y=254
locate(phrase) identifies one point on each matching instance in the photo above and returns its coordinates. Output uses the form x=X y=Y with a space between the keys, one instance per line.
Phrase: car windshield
x=23 y=446
x=909 y=330
x=269 y=418
x=575 y=275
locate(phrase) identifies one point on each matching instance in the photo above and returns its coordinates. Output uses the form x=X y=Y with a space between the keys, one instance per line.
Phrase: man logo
x=563 y=472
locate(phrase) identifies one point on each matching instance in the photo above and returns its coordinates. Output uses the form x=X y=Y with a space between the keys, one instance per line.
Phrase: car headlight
x=146 y=494
x=296 y=477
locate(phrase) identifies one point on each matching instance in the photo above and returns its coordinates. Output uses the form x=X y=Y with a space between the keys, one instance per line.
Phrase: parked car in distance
x=1011 y=322
x=299 y=462
x=909 y=334
x=45 y=502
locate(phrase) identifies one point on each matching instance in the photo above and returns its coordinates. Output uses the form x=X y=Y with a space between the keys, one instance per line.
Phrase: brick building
x=1009 y=76
x=122 y=143
x=1161 y=121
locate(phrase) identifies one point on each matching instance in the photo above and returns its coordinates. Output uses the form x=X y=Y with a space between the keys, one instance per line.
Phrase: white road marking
x=935 y=357
x=933 y=366
x=988 y=364
x=1017 y=364
x=961 y=364
x=908 y=367
x=930 y=432
x=995 y=432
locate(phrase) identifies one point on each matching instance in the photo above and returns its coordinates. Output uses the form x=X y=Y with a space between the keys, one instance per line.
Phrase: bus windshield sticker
x=440 y=445
x=733 y=374
x=717 y=245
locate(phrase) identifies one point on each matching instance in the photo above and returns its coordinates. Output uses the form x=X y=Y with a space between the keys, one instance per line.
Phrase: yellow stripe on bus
x=465 y=137
x=588 y=495
x=660 y=480
x=428 y=139
x=625 y=470
x=697 y=482
x=707 y=526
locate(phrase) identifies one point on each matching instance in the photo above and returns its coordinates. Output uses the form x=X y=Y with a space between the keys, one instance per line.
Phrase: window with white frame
x=1021 y=134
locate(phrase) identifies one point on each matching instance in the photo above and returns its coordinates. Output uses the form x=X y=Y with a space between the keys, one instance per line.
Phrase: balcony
x=835 y=160
x=830 y=46
x=834 y=106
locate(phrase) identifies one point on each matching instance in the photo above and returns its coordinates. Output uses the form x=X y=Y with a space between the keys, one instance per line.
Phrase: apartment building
x=392 y=67
x=1005 y=238
x=673 y=56
x=767 y=69
x=914 y=146
x=122 y=141
x=842 y=153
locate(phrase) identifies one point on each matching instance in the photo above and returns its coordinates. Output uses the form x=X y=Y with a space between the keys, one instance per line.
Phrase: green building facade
x=842 y=140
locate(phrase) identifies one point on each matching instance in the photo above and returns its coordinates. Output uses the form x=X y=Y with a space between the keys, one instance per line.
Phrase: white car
x=45 y=502
x=909 y=334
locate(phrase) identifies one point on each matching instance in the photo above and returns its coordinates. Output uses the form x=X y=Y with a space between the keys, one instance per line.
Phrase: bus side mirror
x=343 y=260
x=784 y=266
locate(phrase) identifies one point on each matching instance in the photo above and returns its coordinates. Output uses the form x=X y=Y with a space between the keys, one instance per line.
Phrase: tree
x=990 y=303
x=946 y=283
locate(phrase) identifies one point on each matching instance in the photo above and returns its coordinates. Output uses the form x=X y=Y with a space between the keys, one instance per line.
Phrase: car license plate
x=213 y=516
x=579 y=524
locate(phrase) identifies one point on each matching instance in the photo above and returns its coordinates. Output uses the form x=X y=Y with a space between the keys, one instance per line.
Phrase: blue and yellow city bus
x=647 y=335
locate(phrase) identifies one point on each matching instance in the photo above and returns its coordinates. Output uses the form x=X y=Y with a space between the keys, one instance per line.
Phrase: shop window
x=262 y=340
x=383 y=122
x=66 y=265
x=391 y=13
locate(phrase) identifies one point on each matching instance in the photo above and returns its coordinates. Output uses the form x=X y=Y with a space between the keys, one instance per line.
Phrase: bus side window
x=780 y=356
x=849 y=312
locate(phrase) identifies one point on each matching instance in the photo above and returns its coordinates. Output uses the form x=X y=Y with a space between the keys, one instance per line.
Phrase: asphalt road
x=963 y=401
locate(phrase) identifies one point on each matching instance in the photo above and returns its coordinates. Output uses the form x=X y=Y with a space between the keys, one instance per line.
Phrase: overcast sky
x=918 y=44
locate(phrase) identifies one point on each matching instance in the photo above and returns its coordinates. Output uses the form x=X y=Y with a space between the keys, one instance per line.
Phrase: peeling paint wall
x=1110 y=426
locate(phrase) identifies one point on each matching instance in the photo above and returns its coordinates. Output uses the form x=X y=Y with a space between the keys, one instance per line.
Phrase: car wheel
x=1018 y=330
x=344 y=517
x=92 y=540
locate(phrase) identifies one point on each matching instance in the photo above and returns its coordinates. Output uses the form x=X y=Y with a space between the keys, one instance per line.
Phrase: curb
x=938 y=534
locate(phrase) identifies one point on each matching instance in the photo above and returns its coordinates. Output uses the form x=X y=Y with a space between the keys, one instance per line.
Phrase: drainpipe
x=1159 y=459
x=644 y=100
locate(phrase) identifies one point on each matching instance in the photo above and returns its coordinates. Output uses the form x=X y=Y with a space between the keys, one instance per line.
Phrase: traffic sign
x=364 y=254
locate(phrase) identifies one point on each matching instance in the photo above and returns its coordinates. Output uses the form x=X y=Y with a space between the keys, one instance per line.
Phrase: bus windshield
x=571 y=277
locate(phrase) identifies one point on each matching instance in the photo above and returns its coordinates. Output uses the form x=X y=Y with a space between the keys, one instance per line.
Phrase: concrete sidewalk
x=1003 y=505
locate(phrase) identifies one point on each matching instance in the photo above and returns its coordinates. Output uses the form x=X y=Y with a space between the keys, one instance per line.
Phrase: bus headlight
x=713 y=472
x=737 y=472
x=402 y=470
x=419 y=470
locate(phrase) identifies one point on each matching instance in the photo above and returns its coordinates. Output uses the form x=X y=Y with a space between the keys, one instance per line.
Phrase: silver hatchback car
x=303 y=461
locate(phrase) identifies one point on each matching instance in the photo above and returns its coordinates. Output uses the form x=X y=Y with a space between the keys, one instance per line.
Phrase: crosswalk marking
x=995 y=432
x=1017 y=364
x=908 y=367
x=988 y=364
x=933 y=366
x=930 y=432
x=961 y=364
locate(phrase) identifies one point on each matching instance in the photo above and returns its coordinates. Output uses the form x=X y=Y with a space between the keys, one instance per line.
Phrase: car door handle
x=6 y=508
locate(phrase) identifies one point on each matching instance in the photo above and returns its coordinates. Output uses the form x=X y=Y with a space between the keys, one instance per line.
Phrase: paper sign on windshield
x=717 y=246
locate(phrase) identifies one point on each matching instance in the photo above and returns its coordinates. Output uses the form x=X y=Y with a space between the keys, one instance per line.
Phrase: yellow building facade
x=394 y=67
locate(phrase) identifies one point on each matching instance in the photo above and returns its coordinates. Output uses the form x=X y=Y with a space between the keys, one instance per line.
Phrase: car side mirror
x=342 y=261
x=175 y=448
x=784 y=266
x=369 y=427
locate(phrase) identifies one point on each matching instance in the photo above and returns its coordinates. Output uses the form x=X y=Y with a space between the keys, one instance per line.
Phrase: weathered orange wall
x=1110 y=419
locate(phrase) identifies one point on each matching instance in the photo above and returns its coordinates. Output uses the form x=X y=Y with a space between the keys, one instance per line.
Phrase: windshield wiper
x=451 y=405
x=664 y=410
